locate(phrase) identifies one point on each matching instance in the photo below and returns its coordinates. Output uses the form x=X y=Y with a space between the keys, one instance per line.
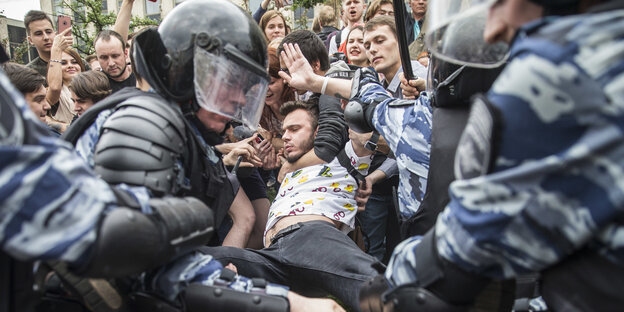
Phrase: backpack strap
x=344 y=160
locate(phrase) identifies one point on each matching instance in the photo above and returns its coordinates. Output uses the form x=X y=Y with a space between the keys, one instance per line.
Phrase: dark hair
x=274 y=68
x=310 y=106
x=267 y=119
x=381 y=21
x=91 y=58
x=311 y=46
x=33 y=16
x=26 y=80
x=91 y=84
x=106 y=36
x=372 y=9
x=269 y=15
x=76 y=57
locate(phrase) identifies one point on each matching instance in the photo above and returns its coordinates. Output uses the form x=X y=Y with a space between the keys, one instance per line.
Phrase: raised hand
x=300 y=74
x=62 y=41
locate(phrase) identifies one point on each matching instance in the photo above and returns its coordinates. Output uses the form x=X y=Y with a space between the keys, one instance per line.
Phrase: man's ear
x=316 y=131
x=30 y=40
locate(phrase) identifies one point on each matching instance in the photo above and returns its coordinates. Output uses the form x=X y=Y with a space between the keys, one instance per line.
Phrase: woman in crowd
x=273 y=24
x=88 y=88
x=277 y=94
x=356 y=53
x=64 y=64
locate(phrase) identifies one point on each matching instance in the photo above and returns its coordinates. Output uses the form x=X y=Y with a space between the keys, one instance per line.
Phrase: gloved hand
x=371 y=293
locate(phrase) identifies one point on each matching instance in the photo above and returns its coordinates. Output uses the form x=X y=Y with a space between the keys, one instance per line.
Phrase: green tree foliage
x=89 y=19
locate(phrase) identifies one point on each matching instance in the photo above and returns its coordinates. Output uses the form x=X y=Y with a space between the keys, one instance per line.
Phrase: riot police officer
x=53 y=208
x=536 y=166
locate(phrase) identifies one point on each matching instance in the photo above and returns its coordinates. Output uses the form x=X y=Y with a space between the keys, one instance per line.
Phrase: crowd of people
x=224 y=160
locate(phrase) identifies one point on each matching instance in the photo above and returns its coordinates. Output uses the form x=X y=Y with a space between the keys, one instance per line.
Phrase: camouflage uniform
x=554 y=183
x=406 y=126
x=51 y=204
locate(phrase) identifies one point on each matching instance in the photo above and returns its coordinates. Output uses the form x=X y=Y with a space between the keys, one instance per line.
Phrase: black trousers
x=313 y=259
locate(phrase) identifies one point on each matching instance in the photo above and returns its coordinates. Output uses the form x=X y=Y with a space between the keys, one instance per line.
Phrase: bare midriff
x=290 y=220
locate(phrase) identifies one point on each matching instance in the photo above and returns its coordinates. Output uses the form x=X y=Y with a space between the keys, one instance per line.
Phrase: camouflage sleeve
x=197 y=267
x=399 y=121
x=556 y=182
x=50 y=202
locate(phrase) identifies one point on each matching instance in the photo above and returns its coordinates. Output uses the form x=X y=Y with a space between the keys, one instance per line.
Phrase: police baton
x=399 y=20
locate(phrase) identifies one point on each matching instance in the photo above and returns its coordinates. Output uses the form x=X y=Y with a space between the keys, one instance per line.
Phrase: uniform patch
x=475 y=151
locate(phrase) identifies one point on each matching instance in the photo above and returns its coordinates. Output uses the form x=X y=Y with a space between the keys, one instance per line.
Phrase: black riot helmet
x=208 y=51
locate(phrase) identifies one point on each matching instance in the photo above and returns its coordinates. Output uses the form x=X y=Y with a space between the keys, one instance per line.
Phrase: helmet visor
x=455 y=33
x=227 y=87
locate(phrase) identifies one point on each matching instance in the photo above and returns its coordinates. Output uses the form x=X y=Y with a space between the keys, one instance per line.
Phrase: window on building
x=58 y=8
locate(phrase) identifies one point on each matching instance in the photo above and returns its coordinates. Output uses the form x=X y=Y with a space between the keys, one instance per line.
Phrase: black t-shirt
x=118 y=85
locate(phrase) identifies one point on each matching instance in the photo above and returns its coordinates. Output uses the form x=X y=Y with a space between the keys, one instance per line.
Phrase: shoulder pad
x=142 y=143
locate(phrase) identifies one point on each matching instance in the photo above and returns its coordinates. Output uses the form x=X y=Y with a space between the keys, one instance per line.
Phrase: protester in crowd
x=382 y=48
x=379 y=7
x=316 y=27
x=314 y=51
x=278 y=93
x=356 y=52
x=65 y=63
x=353 y=12
x=31 y=84
x=414 y=119
x=93 y=62
x=41 y=33
x=110 y=49
x=327 y=20
x=273 y=24
x=87 y=89
x=305 y=244
x=416 y=24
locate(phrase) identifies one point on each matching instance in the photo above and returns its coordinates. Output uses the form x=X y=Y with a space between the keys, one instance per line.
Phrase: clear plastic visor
x=455 y=33
x=227 y=88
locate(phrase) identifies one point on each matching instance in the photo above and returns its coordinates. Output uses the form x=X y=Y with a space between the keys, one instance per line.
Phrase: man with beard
x=305 y=243
x=111 y=54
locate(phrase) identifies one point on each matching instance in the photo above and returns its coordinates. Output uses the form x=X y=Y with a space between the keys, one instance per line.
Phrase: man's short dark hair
x=91 y=85
x=26 y=80
x=309 y=106
x=33 y=16
x=107 y=34
x=382 y=20
x=311 y=46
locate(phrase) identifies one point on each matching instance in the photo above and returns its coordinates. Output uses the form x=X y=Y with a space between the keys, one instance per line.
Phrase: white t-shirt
x=326 y=190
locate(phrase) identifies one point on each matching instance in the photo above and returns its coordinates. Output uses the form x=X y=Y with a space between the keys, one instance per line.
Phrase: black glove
x=371 y=293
